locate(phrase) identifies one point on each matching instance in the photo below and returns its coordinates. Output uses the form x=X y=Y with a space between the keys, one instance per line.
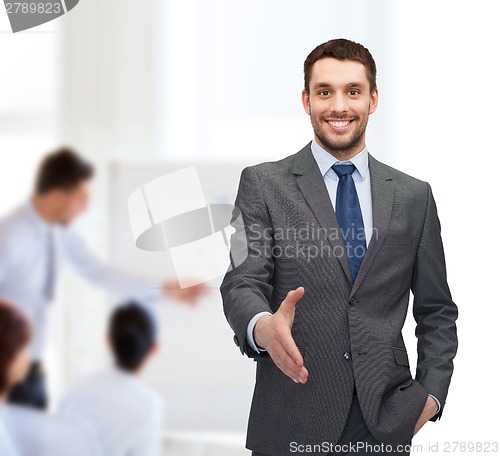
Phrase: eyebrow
x=321 y=85
x=355 y=84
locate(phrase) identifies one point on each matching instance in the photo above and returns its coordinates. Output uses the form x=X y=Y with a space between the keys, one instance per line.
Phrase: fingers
x=293 y=296
x=290 y=348
x=288 y=358
x=288 y=366
x=283 y=349
x=195 y=292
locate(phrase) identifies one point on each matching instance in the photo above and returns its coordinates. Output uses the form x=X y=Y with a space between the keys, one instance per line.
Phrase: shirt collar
x=41 y=226
x=123 y=374
x=325 y=160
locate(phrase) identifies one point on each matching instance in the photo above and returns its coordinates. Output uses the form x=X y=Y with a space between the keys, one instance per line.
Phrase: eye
x=324 y=93
x=353 y=92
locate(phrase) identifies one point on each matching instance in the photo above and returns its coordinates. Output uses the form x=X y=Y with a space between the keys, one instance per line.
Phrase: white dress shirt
x=29 y=266
x=126 y=415
x=6 y=445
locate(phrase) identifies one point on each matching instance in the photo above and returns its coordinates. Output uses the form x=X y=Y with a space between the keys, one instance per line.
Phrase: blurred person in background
x=15 y=334
x=126 y=415
x=37 y=238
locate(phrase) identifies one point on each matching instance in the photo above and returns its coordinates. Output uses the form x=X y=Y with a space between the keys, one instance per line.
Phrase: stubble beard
x=339 y=148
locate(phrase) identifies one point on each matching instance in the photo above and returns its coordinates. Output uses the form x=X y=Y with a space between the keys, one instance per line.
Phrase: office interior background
x=134 y=85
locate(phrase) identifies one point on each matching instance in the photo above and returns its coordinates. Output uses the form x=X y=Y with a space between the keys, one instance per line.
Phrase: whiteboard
x=204 y=380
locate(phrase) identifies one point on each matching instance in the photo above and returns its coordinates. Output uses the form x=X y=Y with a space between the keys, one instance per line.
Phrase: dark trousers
x=355 y=431
x=32 y=391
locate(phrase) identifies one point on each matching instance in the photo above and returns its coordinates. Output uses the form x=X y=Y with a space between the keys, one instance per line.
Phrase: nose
x=338 y=104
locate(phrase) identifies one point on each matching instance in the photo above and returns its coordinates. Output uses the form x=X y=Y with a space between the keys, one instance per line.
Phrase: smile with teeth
x=339 y=124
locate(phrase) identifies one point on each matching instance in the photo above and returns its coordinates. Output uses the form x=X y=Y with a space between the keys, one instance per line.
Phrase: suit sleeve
x=433 y=310
x=246 y=288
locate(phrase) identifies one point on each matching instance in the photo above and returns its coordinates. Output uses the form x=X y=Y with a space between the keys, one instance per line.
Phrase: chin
x=340 y=142
x=339 y=145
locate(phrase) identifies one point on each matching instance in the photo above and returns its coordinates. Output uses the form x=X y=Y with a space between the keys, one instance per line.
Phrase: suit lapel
x=312 y=185
x=382 y=188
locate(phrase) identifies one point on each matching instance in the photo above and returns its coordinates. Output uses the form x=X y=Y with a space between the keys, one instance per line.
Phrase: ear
x=155 y=348
x=374 y=101
x=305 y=102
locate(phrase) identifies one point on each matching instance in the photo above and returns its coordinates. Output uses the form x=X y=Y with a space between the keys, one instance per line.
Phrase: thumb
x=292 y=298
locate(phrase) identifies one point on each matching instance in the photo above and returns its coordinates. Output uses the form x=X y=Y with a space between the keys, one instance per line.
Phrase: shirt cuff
x=438 y=403
x=250 y=328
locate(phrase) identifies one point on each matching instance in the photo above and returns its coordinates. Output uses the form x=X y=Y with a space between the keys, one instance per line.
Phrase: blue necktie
x=349 y=217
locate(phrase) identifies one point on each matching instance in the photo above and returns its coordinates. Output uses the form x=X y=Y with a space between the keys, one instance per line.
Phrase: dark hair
x=62 y=169
x=15 y=333
x=132 y=331
x=341 y=49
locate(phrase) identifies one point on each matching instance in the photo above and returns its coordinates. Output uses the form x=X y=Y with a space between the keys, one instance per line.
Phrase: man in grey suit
x=349 y=237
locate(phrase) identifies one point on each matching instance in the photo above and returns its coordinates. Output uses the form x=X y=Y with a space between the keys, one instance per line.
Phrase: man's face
x=71 y=203
x=339 y=104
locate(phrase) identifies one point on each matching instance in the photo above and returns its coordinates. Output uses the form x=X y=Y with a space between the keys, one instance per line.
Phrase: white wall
x=234 y=73
x=445 y=132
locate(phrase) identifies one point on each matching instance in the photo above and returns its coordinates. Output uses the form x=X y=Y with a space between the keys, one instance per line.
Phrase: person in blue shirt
x=126 y=415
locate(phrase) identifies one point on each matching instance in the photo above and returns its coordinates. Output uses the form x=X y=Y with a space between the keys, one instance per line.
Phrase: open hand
x=273 y=333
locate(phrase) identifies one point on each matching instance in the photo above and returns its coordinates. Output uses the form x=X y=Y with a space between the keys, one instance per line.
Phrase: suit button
x=236 y=341
x=353 y=301
x=347 y=355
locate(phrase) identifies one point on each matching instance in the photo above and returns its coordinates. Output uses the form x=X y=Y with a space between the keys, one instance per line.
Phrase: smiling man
x=334 y=242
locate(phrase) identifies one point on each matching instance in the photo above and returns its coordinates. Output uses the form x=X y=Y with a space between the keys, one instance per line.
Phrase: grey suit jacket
x=348 y=333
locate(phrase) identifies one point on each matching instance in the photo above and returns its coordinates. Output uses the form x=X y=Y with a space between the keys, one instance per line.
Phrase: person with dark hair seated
x=15 y=334
x=38 y=237
x=126 y=415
